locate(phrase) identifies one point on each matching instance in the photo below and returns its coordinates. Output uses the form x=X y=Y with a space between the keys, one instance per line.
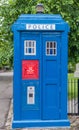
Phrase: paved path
x=5 y=97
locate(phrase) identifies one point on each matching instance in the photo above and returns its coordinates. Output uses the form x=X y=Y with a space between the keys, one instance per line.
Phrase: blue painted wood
x=51 y=79
x=42 y=123
x=44 y=18
x=31 y=111
x=16 y=77
x=50 y=108
x=64 y=72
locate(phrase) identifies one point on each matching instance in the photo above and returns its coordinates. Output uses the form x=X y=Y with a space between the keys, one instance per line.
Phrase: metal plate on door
x=30 y=95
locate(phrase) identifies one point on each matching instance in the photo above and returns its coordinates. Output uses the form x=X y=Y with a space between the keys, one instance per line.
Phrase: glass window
x=51 y=48
x=29 y=47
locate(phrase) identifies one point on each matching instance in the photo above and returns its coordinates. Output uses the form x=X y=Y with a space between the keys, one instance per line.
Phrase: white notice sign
x=30 y=95
x=40 y=26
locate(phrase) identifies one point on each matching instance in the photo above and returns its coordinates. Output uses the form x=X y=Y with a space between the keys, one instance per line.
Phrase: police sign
x=40 y=26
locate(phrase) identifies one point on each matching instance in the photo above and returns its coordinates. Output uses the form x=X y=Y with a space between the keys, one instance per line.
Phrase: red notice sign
x=30 y=69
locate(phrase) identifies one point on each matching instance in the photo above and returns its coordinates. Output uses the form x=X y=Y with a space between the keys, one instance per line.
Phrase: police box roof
x=38 y=19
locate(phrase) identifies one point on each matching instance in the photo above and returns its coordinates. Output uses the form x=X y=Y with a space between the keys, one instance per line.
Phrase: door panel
x=51 y=71
x=51 y=68
x=30 y=75
x=51 y=102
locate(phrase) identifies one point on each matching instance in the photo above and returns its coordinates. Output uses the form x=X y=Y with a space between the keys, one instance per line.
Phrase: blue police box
x=40 y=71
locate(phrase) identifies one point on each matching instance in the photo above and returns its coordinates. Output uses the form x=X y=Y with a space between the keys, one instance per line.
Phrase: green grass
x=72 y=87
x=70 y=75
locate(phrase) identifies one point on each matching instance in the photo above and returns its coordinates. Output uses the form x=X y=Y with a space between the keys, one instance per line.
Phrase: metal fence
x=73 y=96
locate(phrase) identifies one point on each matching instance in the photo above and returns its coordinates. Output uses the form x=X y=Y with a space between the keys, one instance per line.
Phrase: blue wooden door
x=31 y=75
x=51 y=76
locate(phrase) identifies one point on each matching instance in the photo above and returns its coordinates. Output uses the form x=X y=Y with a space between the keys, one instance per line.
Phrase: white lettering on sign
x=30 y=70
x=40 y=26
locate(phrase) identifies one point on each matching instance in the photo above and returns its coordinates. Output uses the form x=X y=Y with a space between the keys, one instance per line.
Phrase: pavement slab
x=4 y=107
x=5 y=96
x=2 y=129
x=6 y=76
x=5 y=90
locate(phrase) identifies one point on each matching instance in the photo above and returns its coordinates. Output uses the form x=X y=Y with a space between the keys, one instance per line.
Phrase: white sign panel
x=40 y=26
x=30 y=95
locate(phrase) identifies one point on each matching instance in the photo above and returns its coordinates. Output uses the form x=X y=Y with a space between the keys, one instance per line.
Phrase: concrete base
x=41 y=123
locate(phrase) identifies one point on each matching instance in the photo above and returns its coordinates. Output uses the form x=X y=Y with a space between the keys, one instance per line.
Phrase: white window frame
x=27 y=47
x=51 y=48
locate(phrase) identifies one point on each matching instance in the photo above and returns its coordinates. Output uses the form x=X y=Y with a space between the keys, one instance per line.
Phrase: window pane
x=30 y=44
x=47 y=44
x=54 y=44
x=54 y=51
x=29 y=50
x=26 y=50
x=29 y=47
x=26 y=44
x=51 y=44
x=48 y=51
x=51 y=48
x=32 y=50
x=33 y=44
x=51 y=51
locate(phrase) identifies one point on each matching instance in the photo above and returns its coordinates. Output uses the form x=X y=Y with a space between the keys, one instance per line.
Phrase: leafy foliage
x=11 y=9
